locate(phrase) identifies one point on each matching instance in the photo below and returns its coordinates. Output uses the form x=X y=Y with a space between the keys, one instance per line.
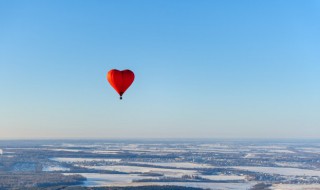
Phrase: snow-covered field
x=290 y=164
x=313 y=150
x=176 y=164
x=295 y=187
x=80 y=145
x=65 y=149
x=187 y=163
x=155 y=150
x=280 y=170
x=127 y=180
x=212 y=186
x=282 y=151
x=214 y=145
x=106 y=151
x=94 y=179
x=55 y=168
x=133 y=169
x=250 y=155
x=224 y=177
x=268 y=147
x=73 y=160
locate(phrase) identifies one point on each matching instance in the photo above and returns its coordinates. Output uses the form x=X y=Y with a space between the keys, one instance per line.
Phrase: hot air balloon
x=120 y=80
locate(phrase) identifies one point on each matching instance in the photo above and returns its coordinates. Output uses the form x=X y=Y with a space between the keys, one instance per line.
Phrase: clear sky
x=204 y=69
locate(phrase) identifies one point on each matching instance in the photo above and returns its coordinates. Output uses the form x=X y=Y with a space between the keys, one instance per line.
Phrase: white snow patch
x=106 y=152
x=122 y=180
x=95 y=179
x=295 y=187
x=176 y=164
x=55 y=168
x=282 y=151
x=223 y=177
x=311 y=150
x=250 y=155
x=218 y=145
x=71 y=160
x=133 y=169
x=280 y=170
x=65 y=149
x=290 y=164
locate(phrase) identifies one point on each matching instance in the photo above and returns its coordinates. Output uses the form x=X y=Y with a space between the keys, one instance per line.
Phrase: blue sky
x=204 y=69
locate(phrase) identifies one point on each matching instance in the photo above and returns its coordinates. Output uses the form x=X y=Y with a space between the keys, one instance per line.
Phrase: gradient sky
x=204 y=69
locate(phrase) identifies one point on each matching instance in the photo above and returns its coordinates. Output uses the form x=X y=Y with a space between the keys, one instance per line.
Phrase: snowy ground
x=55 y=168
x=127 y=180
x=65 y=149
x=281 y=170
x=297 y=163
x=73 y=160
x=176 y=164
x=313 y=150
x=223 y=177
x=133 y=169
x=295 y=187
x=106 y=151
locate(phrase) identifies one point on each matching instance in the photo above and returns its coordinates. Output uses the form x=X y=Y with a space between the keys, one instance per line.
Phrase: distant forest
x=259 y=186
x=118 y=188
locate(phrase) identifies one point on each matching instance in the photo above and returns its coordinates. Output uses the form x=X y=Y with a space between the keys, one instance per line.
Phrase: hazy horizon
x=204 y=69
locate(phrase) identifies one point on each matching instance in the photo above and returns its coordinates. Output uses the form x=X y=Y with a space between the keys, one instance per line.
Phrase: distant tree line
x=118 y=188
x=23 y=180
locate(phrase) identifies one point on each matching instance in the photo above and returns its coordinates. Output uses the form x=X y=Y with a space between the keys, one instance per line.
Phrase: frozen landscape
x=205 y=164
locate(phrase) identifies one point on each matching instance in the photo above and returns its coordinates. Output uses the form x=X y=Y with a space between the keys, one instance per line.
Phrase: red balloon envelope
x=120 y=80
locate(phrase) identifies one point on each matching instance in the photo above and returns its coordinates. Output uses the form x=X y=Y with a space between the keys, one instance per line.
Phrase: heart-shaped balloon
x=120 y=80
